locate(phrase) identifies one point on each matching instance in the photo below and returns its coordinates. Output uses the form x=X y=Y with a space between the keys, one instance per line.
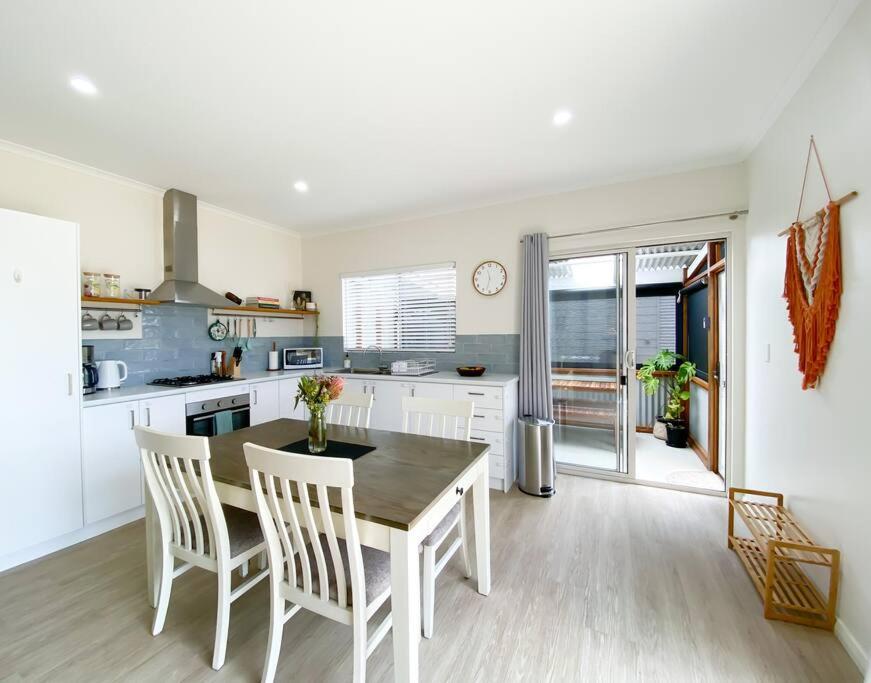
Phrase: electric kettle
x=109 y=373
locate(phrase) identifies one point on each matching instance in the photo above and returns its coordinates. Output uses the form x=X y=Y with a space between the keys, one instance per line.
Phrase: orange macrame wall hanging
x=812 y=285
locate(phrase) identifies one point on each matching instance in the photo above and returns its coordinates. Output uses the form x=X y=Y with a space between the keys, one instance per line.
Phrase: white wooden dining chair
x=194 y=527
x=350 y=409
x=335 y=577
x=448 y=420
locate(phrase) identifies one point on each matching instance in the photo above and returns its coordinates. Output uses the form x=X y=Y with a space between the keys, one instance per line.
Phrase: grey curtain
x=536 y=395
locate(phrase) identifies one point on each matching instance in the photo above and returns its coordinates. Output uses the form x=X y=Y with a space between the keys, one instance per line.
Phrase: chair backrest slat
x=336 y=556
x=296 y=473
x=284 y=518
x=185 y=520
x=179 y=480
x=158 y=463
x=437 y=417
x=314 y=538
x=196 y=544
x=350 y=409
x=199 y=494
x=299 y=539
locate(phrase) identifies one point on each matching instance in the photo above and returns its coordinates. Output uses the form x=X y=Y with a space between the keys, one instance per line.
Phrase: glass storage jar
x=113 y=285
x=91 y=284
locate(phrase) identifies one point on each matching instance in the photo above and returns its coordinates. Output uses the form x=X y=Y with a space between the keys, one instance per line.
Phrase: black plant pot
x=677 y=434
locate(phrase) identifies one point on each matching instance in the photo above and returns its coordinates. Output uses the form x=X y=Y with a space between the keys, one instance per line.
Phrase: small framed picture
x=300 y=298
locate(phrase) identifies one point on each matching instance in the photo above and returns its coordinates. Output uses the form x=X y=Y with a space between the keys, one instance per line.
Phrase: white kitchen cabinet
x=41 y=486
x=429 y=390
x=493 y=422
x=386 y=404
x=110 y=460
x=113 y=481
x=166 y=413
x=265 y=400
x=387 y=398
x=354 y=385
x=287 y=389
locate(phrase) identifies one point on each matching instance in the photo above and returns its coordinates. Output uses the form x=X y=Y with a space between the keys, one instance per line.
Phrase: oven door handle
x=209 y=416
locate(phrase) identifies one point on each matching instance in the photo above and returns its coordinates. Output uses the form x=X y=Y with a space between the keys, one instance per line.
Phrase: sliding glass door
x=589 y=337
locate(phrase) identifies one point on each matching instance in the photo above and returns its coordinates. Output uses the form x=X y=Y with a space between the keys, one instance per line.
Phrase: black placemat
x=335 y=449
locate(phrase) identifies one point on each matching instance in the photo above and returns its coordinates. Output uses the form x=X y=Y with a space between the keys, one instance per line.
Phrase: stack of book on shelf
x=262 y=302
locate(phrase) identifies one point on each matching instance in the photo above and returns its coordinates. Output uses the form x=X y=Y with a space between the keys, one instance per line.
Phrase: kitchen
x=284 y=273
x=182 y=359
x=177 y=332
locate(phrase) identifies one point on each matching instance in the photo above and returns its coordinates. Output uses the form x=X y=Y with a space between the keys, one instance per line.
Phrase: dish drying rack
x=413 y=368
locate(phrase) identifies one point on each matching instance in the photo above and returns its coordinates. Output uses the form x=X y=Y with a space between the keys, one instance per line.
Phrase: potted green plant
x=677 y=393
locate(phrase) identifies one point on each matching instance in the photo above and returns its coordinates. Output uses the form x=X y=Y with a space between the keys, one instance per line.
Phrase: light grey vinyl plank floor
x=604 y=582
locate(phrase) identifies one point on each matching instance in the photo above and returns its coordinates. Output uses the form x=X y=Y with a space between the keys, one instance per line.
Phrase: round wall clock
x=489 y=278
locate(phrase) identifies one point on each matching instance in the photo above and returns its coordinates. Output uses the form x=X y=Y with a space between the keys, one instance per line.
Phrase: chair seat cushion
x=376 y=569
x=442 y=528
x=243 y=528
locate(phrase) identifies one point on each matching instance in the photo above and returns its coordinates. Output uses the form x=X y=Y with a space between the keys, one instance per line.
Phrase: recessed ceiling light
x=561 y=117
x=301 y=186
x=83 y=85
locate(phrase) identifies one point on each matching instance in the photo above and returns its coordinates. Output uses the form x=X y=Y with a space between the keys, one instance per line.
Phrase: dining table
x=402 y=489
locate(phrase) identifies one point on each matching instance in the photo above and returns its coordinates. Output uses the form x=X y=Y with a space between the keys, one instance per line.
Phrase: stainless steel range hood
x=180 y=267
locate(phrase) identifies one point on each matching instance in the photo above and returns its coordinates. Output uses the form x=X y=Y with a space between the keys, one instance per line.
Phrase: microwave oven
x=297 y=359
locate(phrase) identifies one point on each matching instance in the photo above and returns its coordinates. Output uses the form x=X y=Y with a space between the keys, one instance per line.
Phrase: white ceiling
x=392 y=109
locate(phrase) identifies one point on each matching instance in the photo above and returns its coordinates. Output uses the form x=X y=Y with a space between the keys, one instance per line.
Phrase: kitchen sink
x=360 y=371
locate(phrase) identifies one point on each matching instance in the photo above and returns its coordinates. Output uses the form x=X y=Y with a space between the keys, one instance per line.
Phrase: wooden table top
x=393 y=485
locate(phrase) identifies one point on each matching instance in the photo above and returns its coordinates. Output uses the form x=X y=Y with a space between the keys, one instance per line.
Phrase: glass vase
x=317 y=431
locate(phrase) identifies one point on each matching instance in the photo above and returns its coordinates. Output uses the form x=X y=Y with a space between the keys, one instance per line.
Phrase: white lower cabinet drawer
x=482 y=397
x=497 y=465
x=487 y=420
x=495 y=439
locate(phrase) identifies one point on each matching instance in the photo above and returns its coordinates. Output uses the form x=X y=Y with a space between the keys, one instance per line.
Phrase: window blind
x=656 y=326
x=402 y=310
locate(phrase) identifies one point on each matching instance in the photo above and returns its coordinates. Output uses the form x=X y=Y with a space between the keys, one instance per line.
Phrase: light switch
x=766 y=354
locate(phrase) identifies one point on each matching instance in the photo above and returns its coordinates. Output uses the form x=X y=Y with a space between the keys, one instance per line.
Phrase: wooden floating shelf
x=773 y=557
x=119 y=300
x=264 y=312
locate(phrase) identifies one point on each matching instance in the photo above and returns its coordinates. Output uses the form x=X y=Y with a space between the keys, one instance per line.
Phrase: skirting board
x=853 y=648
x=70 y=539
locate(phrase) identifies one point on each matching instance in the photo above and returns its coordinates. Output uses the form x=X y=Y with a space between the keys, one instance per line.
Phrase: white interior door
x=41 y=489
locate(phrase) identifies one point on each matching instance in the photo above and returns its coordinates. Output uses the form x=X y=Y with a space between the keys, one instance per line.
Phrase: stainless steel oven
x=215 y=416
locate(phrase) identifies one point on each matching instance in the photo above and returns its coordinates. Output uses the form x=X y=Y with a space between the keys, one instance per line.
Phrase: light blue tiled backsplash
x=498 y=352
x=175 y=341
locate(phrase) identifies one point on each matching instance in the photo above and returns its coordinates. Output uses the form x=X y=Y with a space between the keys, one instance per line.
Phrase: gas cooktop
x=189 y=380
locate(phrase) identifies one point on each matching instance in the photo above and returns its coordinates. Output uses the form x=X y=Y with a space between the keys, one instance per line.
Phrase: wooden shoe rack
x=773 y=556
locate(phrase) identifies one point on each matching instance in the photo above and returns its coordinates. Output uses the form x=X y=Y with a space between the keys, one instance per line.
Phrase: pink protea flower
x=335 y=385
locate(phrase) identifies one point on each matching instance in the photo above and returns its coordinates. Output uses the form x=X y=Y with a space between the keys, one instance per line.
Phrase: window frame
x=406 y=311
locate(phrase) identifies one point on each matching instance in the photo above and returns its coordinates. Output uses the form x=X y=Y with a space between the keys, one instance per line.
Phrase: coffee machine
x=90 y=376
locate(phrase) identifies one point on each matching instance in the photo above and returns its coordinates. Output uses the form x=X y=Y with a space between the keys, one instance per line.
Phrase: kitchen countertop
x=145 y=391
x=139 y=391
x=488 y=380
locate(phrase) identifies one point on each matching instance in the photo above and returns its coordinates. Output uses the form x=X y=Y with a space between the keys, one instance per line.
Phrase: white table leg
x=481 y=511
x=405 y=600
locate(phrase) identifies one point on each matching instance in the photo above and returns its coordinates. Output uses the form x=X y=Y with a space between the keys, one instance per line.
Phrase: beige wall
x=813 y=445
x=470 y=237
x=121 y=227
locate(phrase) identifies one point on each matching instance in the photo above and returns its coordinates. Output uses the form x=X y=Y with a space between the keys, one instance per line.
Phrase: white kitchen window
x=408 y=309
